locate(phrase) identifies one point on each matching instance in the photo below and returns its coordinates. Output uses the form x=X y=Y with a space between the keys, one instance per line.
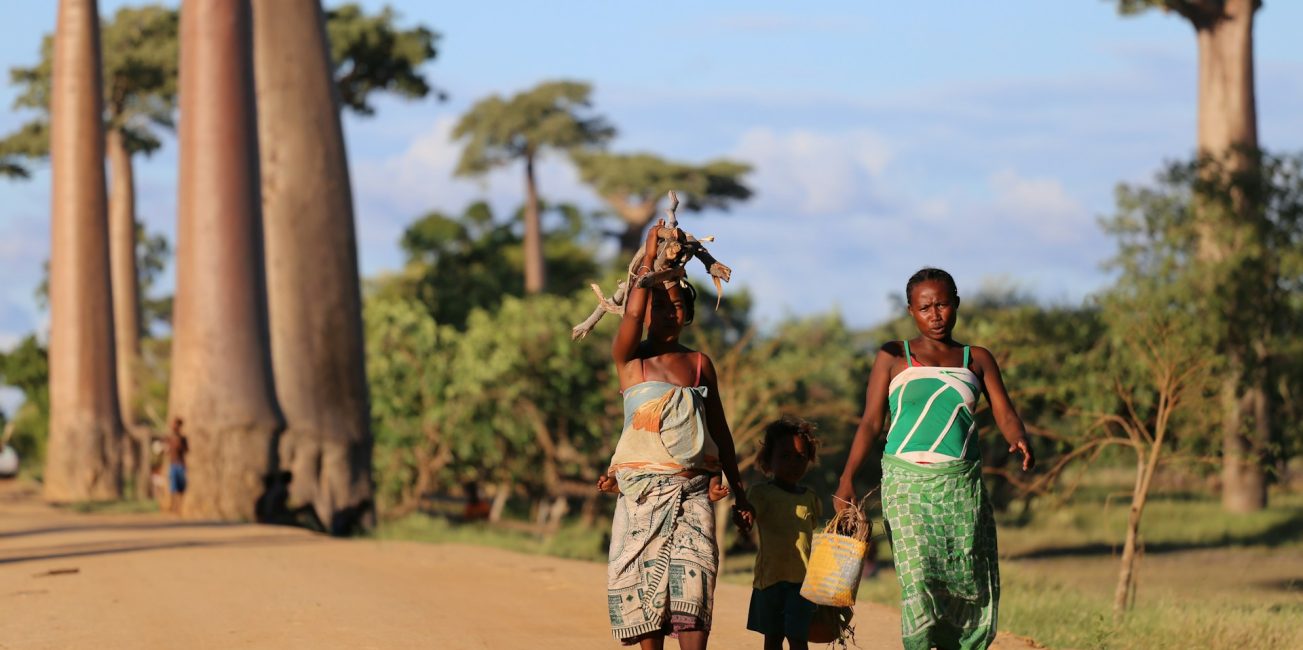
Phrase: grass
x=1208 y=579
x=114 y=507
x=572 y=541
x=1092 y=524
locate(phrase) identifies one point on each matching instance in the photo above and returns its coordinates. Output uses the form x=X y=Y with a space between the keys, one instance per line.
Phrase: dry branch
x=675 y=247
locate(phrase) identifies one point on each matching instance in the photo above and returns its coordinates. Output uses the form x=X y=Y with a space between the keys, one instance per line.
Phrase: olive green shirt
x=786 y=523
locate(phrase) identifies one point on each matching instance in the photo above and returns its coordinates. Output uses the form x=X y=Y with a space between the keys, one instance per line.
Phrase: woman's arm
x=1002 y=407
x=875 y=410
x=717 y=427
x=625 y=346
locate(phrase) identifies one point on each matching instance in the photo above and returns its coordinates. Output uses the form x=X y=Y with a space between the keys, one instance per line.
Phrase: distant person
x=786 y=515
x=477 y=509
x=942 y=526
x=663 y=558
x=177 y=449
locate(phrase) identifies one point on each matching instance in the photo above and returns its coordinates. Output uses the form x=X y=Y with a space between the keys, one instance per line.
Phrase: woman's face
x=665 y=322
x=934 y=308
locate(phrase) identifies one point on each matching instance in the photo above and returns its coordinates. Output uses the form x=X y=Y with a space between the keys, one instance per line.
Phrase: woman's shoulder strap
x=909 y=357
x=966 y=355
x=698 y=381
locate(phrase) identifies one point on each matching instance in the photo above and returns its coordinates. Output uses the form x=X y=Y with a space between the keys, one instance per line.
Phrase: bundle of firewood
x=674 y=248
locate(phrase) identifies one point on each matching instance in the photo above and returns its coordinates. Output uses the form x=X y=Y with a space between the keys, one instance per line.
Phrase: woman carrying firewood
x=663 y=558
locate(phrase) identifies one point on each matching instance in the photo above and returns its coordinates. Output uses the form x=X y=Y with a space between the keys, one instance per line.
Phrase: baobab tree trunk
x=314 y=298
x=535 y=270
x=221 y=382
x=126 y=305
x=1228 y=126
x=84 y=454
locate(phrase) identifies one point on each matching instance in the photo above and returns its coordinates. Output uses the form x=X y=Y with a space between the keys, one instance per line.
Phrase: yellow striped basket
x=833 y=575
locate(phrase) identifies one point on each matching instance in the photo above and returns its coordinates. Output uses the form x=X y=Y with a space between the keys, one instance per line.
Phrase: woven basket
x=833 y=575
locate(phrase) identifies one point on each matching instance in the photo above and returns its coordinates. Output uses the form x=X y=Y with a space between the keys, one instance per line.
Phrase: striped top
x=932 y=413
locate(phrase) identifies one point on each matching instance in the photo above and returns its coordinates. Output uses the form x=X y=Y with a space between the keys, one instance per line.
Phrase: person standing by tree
x=177 y=448
x=663 y=558
x=942 y=525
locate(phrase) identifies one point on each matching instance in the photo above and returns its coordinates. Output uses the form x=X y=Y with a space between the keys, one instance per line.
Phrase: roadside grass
x=572 y=540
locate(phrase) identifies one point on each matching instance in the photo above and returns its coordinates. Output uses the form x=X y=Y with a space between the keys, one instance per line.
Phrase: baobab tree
x=139 y=88
x=314 y=299
x=1228 y=131
x=498 y=132
x=221 y=383
x=634 y=184
x=83 y=460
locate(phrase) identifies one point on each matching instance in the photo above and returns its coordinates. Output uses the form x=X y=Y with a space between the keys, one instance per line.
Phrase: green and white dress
x=942 y=526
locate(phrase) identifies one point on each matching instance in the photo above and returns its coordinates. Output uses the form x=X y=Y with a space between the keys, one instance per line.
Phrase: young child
x=786 y=513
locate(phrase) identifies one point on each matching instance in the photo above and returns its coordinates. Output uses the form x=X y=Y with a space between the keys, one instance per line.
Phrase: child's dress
x=786 y=522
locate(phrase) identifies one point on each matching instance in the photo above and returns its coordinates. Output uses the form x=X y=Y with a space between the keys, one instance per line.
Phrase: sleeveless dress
x=663 y=559
x=942 y=524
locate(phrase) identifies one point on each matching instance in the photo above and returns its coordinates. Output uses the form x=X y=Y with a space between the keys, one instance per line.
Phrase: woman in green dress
x=925 y=391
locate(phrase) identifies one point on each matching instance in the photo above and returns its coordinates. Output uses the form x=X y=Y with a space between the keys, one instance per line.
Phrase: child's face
x=790 y=459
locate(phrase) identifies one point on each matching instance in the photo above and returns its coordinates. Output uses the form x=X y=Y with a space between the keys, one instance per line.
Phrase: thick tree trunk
x=126 y=305
x=535 y=270
x=1228 y=124
x=84 y=454
x=221 y=382
x=314 y=298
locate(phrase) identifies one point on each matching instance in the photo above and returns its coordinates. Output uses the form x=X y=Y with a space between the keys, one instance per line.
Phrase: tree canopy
x=371 y=53
x=554 y=114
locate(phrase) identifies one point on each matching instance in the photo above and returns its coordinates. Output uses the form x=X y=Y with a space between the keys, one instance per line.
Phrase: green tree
x=26 y=367
x=498 y=132
x=456 y=265
x=410 y=413
x=1246 y=299
x=371 y=53
x=633 y=185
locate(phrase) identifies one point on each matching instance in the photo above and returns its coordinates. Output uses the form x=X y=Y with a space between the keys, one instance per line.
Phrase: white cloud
x=811 y=172
x=393 y=191
x=1041 y=205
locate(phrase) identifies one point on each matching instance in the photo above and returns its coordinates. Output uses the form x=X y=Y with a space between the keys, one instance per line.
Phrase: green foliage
x=370 y=53
x=552 y=115
x=26 y=367
x=1244 y=294
x=140 y=54
x=642 y=178
x=409 y=369
x=455 y=265
x=138 y=50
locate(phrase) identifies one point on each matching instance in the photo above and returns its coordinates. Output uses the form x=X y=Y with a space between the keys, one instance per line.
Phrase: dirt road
x=72 y=580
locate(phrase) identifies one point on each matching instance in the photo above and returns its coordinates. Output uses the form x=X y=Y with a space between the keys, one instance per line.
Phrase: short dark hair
x=929 y=274
x=786 y=427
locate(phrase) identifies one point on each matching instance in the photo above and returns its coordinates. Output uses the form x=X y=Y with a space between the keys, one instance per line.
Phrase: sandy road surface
x=150 y=581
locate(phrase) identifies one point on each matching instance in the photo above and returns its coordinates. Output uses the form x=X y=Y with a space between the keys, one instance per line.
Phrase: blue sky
x=986 y=138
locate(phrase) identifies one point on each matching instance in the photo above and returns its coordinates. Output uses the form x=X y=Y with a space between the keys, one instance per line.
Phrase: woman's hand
x=1028 y=460
x=653 y=241
x=844 y=497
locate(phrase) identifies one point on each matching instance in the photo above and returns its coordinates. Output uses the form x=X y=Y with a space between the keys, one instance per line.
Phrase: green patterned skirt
x=943 y=541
